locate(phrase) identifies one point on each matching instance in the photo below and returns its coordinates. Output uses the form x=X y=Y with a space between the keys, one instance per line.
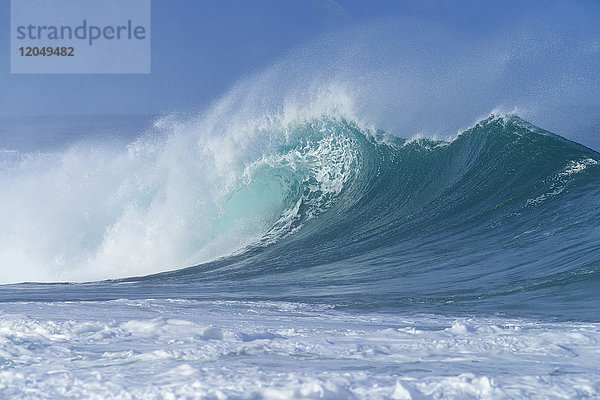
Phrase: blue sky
x=200 y=49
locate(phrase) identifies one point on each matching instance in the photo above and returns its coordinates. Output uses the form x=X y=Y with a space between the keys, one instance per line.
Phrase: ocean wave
x=320 y=200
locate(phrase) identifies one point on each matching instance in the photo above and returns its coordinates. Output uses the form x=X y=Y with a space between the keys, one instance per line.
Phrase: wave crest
x=195 y=190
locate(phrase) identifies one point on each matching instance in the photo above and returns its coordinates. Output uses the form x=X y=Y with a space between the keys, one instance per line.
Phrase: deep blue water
x=504 y=219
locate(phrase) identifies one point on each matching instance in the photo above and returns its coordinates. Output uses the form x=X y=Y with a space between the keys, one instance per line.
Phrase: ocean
x=306 y=257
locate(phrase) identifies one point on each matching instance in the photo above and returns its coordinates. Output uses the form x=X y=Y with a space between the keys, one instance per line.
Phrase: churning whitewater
x=325 y=259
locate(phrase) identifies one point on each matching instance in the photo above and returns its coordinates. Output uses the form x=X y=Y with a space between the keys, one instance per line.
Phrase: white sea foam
x=272 y=350
x=575 y=167
x=166 y=201
x=559 y=182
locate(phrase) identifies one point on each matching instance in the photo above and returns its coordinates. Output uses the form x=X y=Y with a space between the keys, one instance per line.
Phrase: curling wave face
x=183 y=194
x=324 y=208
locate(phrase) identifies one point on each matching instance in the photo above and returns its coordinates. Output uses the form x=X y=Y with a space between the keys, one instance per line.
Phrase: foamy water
x=274 y=350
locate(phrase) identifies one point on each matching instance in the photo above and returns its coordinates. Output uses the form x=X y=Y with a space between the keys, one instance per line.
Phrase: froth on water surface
x=273 y=350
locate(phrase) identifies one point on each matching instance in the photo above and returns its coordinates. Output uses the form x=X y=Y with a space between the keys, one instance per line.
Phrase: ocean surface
x=309 y=258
